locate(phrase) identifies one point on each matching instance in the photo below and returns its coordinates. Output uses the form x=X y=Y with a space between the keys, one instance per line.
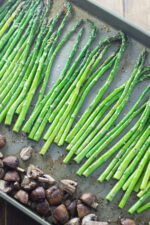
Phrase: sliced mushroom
x=90 y=217
x=47 y=179
x=28 y=184
x=72 y=208
x=38 y=194
x=2 y=141
x=68 y=186
x=127 y=221
x=26 y=153
x=89 y=199
x=16 y=185
x=1 y=163
x=54 y=196
x=2 y=172
x=1 y=155
x=34 y=172
x=12 y=175
x=74 y=221
x=43 y=208
x=22 y=196
x=83 y=210
x=11 y=161
x=4 y=186
x=96 y=223
x=21 y=170
x=61 y=214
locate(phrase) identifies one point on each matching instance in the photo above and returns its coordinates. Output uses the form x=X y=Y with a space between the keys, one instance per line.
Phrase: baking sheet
x=52 y=162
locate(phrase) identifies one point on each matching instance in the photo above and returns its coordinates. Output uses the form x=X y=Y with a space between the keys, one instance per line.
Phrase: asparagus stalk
x=146 y=178
x=28 y=125
x=141 y=151
x=143 y=208
x=142 y=192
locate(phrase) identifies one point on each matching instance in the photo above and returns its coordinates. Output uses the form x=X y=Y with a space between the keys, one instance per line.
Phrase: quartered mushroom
x=22 y=196
x=61 y=215
x=28 y=184
x=1 y=155
x=127 y=221
x=89 y=218
x=43 y=208
x=11 y=161
x=34 y=172
x=47 y=179
x=68 y=186
x=2 y=141
x=12 y=175
x=74 y=221
x=89 y=199
x=26 y=153
x=38 y=194
x=5 y=187
x=83 y=210
x=54 y=196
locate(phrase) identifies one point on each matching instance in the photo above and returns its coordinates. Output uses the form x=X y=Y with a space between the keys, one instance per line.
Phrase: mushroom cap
x=28 y=184
x=68 y=186
x=38 y=194
x=43 y=208
x=61 y=214
x=2 y=141
x=90 y=217
x=88 y=198
x=74 y=221
x=54 y=196
x=72 y=208
x=11 y=161
x=22 y=196
x=34 y=172
x=83 y=210
x=26 y=153
x=127 y=221
x=4 y=186
x=12 y=175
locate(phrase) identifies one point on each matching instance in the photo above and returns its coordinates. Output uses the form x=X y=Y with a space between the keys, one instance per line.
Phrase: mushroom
x=26 y=153
x=68 y=186
x=90 y=217
x=12 y=175
x=74 y=221
x=16 y=185
x=43 y=208
x=127 y=221
x=1 y=155
x=96 y=223
x=2 y=141
x=11 y=161
x=1 y=163
x=61 y=214
x=2 y=172
x=38 y=194
x=47 y=179
x=72 y=208
x=83 y=210
x=4 y=186
x=34 y=172
x=54 y=196
x=22 y=196
x=21 y=170
x=28 y=184
x=89 y=199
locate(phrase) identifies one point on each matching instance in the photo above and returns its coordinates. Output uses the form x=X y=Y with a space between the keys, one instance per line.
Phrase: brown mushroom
x=12 y=175
x=26 y=153
x=61 y=214
x=74 y=221
x=68 y=186
x=83 y=210
x=2 y=172
x=4 y=186
x=34 y=172
x=127 y=221
x=1 y=155
x=43 y=208
x=11 y=161
x=89 y=218
x=16 y=185
x=1 y=163
x=89 y=199
x=28 y=184
x=38 y=194
x=20 y=170
x=22 y=196
x=96 y=223
x=54 y=196
x=2 y=141
x=72 y=208
x=47 y=179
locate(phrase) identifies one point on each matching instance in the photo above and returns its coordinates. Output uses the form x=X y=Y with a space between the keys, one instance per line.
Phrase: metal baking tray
x=52 y=162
